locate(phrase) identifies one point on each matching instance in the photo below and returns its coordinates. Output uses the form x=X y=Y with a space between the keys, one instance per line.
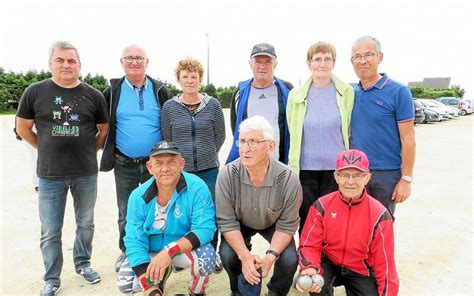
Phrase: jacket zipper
x=193 y=132
x=345 y=235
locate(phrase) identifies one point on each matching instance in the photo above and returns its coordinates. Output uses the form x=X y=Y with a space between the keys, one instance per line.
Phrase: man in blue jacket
x=263 y=95
x=170 y=222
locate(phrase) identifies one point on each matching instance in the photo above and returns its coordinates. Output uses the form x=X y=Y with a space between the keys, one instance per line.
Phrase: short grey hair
x=136 y=47
x=368 y=39
x=61 y=45
x=257 y=123
x=274 y=61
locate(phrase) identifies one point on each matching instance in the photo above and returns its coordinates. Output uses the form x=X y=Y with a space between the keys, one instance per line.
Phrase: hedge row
x=12 y=86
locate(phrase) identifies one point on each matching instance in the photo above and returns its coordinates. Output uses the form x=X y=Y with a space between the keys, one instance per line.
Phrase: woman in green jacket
x=319 y=115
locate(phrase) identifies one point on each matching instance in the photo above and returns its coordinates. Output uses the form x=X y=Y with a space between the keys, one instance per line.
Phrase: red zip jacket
x=357 y=235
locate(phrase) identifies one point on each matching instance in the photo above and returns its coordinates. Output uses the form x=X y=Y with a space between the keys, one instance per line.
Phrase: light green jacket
x=296 y=110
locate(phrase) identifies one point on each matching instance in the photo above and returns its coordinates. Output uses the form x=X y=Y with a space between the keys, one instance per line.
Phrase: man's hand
x=309 y=272
x=402 y=191
x=157 y=267
x=250 y=264
x=267 y=264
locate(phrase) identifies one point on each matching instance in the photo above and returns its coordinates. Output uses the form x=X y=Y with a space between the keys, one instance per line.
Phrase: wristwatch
x=407 y=178
x=274 y=253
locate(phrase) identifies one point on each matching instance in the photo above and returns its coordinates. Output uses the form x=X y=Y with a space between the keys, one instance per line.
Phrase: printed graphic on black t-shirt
x=64 y=111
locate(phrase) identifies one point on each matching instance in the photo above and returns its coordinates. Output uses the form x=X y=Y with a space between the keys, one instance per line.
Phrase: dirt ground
x=434 y=227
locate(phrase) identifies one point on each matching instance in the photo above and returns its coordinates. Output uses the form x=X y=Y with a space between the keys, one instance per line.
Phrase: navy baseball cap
x=263 y=49
x=164 y=147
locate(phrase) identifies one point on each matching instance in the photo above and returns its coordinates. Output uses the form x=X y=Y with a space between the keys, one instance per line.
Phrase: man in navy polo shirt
x=134 y=102
x=382 y=125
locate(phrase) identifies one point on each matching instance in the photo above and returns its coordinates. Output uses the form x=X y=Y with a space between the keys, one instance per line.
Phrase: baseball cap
x=164 y=147
x=352 y=159
x=263 y=49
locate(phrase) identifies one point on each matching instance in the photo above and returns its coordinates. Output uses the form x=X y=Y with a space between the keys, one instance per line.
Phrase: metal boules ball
x=305 y=282
x=318 y=280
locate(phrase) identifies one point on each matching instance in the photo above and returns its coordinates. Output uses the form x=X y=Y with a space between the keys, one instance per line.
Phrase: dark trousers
x=381 y=187
x=315 y=184
x=128 y=176
x=284 y=267
x=209 y=176
x=355 y=284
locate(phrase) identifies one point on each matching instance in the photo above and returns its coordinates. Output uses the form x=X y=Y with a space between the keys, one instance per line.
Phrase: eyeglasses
x=320 y=60
x=252 y=143
x=358 y=58
x=130 y=59
x=356 y=177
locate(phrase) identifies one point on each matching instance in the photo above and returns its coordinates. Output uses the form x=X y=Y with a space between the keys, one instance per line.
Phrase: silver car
x=431 y=105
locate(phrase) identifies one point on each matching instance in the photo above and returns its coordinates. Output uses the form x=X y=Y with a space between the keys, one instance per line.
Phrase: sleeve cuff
x=140 y=269
x=192 y=237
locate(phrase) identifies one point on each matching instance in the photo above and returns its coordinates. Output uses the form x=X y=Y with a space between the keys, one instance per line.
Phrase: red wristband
x=173 y=249
x=146 y=283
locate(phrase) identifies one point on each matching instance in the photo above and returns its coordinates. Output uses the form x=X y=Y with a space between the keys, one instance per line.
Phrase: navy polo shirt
x=375 y=117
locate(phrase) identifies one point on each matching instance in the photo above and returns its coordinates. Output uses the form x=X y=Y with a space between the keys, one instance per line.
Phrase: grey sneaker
x=121 y=258
x=89 y=275
x=50 y=290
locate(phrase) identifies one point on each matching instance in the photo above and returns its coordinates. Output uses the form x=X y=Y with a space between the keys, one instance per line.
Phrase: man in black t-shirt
x=71 y=122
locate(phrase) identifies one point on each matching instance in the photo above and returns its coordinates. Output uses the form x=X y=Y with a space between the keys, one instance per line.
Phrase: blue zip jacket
x=239 y=113
x=191 y=214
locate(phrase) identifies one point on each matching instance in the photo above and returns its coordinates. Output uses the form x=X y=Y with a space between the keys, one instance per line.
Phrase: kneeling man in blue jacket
x=170 y=222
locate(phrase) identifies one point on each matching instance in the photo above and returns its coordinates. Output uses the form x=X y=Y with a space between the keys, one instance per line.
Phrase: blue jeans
x=52 y=203
x=128 y=176
x=284 y=267
x=381 y=186
x=209 y=177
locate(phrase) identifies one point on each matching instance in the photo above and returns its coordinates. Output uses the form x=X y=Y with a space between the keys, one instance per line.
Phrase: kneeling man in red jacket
x=348 y=235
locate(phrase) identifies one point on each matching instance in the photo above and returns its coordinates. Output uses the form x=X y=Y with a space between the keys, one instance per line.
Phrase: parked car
x=451 y=110
x=429 y=104
x=419 y=114
x=430 y=115
x=464 y=106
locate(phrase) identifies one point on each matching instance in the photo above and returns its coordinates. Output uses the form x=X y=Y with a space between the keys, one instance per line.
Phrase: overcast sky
x=419 y=38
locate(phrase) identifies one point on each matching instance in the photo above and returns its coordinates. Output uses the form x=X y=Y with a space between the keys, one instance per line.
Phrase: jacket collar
x=302 y=92
x=152 y=191
x=353 y=202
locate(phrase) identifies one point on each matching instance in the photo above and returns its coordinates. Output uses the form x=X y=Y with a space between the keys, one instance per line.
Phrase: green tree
x=98 y=81
x=458 y=90
x=172 y=88
x=209 y=89
x=224 y=95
